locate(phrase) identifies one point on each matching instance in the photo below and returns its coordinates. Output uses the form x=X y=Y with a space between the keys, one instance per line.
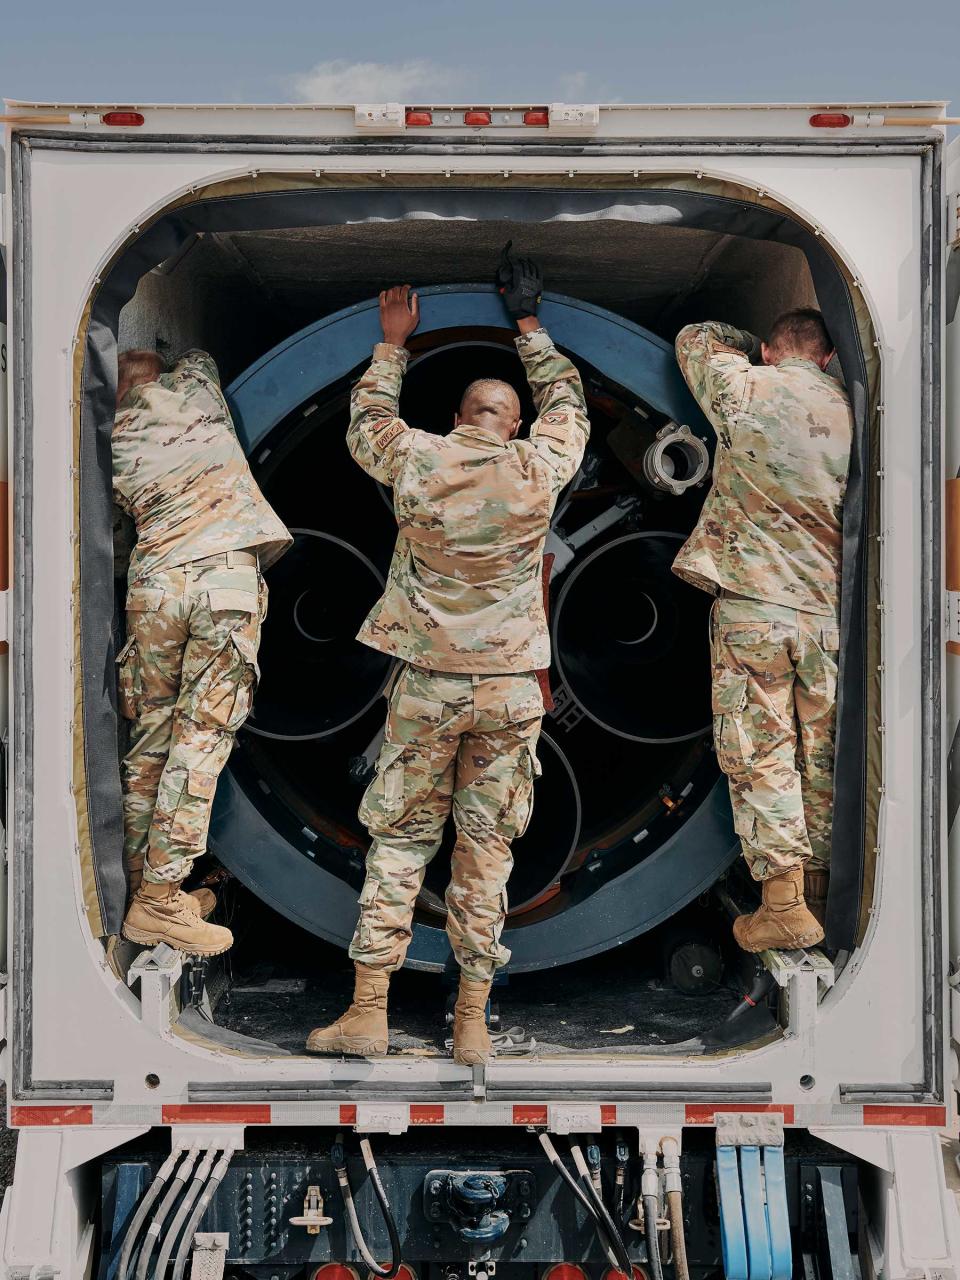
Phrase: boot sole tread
x=352 y=1047
x=800 y=944
x=144 y=939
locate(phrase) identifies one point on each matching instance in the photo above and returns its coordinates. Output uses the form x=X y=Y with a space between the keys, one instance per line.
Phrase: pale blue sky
x=480 y=50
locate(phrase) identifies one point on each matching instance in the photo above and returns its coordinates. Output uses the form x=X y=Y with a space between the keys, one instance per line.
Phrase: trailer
x=669 y=1107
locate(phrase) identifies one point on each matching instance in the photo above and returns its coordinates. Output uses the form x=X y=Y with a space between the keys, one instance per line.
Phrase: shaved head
x=491 y=403
x=134 y=368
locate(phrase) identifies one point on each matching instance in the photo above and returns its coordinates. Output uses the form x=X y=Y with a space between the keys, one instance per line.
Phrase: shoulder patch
x=388 y=434
x=553 y=425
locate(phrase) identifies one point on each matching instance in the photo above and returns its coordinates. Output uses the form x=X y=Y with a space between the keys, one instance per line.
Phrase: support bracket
x=156 y=970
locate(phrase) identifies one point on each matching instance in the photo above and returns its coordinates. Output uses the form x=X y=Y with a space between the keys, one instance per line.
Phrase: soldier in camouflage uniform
x=463 y=611
x=768 y=543
x=195 y=603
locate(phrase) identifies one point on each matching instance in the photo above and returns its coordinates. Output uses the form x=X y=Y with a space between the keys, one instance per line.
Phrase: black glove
x=520 y=282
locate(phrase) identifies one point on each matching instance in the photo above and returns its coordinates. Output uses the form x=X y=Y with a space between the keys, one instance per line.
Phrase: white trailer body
x=865 y=1059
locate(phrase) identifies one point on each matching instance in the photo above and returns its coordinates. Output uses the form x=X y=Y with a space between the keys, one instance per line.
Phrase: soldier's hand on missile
x=520 y=282
x=399 y=314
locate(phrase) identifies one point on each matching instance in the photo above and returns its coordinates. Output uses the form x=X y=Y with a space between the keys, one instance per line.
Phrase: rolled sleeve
x=377 y=436
x=714 y=361
x=562 y=428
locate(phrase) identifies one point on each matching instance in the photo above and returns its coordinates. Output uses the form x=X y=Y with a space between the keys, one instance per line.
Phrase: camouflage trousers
x=464 y=744
x=187 y=675
x=774 y=706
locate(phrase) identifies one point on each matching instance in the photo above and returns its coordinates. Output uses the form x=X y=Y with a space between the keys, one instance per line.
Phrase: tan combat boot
x=816 y=886
x=783 y=922
x=161 y=913
x=471 y=1040
x=204 y=899
x=363 y=1028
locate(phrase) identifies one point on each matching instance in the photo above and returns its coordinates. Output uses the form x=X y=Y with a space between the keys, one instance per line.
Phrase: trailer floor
x=610 y=1003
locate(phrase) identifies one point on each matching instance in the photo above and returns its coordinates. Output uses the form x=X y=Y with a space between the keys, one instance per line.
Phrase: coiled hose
x=144 y=1207
x=615 y=1257
x=218 y=1175
x=340 y=1166
x=186 y=1204
x=180 y=1180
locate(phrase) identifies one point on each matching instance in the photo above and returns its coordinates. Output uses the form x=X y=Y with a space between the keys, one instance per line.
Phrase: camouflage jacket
x=464 y=591
x=770 y=528
x=180 y=473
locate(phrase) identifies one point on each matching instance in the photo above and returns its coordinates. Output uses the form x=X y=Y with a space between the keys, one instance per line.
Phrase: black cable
x=651 y=1211
x=620 y=1249
x=588 y=1204
x=340 y=1166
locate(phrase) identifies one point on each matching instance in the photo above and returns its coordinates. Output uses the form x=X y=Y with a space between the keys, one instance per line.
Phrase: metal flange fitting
x=676 y=461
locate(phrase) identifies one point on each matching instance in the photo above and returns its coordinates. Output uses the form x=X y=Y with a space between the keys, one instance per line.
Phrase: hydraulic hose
x=186 y=1240
x=553 y=1156
x=681 y=1267
x=762 y=986
x=670 y=1147
x=180 y=1180
x=651 y=1209
x=340 y=1167
x=186 y=1204
x=144 y=1207
x=616 y=1241
x=650 y=1191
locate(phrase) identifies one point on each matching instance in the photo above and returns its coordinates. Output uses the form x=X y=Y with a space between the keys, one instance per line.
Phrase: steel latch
x=312 y=1217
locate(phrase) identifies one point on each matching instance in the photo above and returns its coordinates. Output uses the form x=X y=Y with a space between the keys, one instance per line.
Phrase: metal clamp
x=313 y=1216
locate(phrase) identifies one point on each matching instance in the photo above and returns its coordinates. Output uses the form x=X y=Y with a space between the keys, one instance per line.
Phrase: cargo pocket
x=384 y=798
x=192 y=816
x=422 y=710
x=527 y=706
x=744 y=821
x=522 y=804
x=369 y=895
x=232 y=600
x=730 y=738
x=128 y=680
x=499 y=954
x=224 y=693
x=830 y=637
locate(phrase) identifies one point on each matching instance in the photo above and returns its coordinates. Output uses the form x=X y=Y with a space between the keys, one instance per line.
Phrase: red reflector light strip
x=704 y=1112
x=215 y=1113
x=878 y=1115
x=874 y=1113
x=526 y=1114
x=476 y=117
x=831 y=120
x=24 y=1117
x=127 y=118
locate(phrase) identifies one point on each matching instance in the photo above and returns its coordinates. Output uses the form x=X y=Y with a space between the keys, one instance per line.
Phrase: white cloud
x=573 y=86
x=342 y=81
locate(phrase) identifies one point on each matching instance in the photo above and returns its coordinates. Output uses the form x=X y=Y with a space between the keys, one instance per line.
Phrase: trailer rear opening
x=630 y=783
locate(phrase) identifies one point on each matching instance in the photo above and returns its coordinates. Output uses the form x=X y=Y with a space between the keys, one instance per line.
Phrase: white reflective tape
x=579 y=1117
x=953 y=617
x=376 y=1117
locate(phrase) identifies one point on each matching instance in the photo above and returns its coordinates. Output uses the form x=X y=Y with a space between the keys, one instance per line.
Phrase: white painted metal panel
x=87 y=1025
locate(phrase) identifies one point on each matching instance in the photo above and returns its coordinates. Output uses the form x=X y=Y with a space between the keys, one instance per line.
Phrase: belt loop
x=230 y=561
